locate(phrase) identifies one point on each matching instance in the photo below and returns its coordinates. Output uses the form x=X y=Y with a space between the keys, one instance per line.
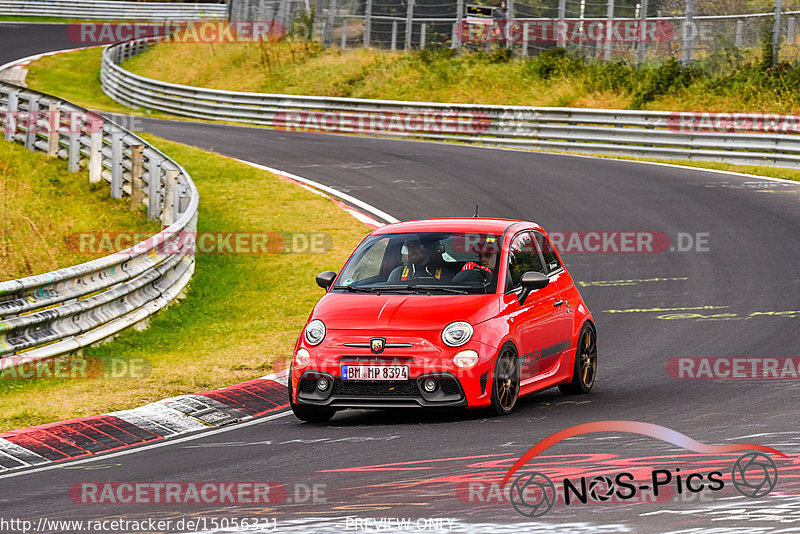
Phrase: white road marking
x=141 y=448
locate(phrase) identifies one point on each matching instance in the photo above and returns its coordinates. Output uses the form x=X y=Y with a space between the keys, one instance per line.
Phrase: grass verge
x=41 y=203
x=242 y=312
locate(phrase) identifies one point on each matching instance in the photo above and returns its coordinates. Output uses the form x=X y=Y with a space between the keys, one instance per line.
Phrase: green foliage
x=667 y=78
x=766 y=42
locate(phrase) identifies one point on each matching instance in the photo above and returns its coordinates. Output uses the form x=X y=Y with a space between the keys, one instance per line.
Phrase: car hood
x=402 y=312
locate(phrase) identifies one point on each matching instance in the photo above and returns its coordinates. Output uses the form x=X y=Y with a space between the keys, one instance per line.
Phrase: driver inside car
x=483 y=270
x=424 y=262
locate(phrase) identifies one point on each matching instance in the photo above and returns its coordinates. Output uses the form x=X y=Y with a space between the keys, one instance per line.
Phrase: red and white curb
x=167 y=418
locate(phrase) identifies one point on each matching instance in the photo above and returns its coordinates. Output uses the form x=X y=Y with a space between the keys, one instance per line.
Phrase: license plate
x=374 y=372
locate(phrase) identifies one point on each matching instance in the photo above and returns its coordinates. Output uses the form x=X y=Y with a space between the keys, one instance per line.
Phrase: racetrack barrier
x=65 y=310
x=648 y=134
x=113 y=10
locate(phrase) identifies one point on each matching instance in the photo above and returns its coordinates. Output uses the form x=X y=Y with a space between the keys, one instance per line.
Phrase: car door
x=536 y=320
x=561 y=325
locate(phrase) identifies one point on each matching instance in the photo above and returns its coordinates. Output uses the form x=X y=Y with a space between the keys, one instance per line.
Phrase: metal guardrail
x=113 y=10
x=648 y=134
x=62 y=311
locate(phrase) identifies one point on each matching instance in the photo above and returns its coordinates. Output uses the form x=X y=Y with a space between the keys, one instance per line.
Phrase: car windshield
x=430 y=262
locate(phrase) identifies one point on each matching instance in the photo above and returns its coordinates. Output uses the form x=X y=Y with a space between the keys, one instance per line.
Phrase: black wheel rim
x=588 y=358
x=507 y=380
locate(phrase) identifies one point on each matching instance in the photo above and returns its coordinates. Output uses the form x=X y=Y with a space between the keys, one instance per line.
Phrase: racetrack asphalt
x=735 y=292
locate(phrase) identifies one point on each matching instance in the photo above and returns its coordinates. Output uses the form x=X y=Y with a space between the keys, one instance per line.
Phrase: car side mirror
x=531 y=281
x=325 y=279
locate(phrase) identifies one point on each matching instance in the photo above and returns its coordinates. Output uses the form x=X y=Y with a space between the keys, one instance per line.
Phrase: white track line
x=156 y=445
x=344 y=196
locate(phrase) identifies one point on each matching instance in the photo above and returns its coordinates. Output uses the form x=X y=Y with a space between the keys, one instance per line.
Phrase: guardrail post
x=329 y=29
x=33 y=123
x=562 y=15
x=689 y=32
x=344 y=33
x=367 y=23
x=154 y=187
x=739 y=32
x=96 y=156
x=394 y=35
x=54 y=132
x=609 y=30
x=170 y=204
x=116 y=162
x=422 y=30
x=409 y=23
x=137 y=194
x=791 y=31
x=776 y=32
x=525 y=36
x=642 y=48
x=74 y=157
x=509 y=17
x=10 y=125
x=459 y=24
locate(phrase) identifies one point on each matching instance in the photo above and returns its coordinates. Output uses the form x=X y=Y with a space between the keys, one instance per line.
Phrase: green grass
x=242 y=313
x=81 y=70
x=41 y=204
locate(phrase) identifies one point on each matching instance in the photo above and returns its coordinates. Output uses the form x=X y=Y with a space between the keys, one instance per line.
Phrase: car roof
x=461 y=224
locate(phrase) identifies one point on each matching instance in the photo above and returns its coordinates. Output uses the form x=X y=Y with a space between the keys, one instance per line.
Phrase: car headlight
x=457 y=333
x=315 y=332
x=302 y=358
x=465 y=358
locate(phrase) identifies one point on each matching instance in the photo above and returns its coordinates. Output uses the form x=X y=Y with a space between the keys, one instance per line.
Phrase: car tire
x=505 y=381
x=584 y=369
x=309 y=414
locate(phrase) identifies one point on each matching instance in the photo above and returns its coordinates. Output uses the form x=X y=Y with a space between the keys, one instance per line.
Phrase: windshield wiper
x=416 y=288
x=446 y=289
x=355 y=289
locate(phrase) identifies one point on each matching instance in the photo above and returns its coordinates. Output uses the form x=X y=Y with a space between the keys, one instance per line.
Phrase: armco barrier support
x=65 y=310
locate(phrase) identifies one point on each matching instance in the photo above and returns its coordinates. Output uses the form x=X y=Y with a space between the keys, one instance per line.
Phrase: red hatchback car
x=444 y=313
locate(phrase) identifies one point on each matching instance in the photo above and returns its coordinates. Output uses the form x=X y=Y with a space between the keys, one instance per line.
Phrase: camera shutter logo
x=532 y=494
x=754 y=475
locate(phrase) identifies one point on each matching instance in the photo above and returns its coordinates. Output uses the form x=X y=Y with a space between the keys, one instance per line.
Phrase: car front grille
x=449 y=385
x=308 y=385
x=375 y=388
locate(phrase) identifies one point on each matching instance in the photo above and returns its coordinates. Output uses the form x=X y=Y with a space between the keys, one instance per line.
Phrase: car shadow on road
x=538 y=405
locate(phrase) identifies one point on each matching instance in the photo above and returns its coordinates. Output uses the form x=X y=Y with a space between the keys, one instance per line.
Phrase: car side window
x=523 y=256
x=550 y=256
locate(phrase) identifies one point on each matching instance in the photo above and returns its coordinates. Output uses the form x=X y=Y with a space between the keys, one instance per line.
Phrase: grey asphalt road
x=739 y=296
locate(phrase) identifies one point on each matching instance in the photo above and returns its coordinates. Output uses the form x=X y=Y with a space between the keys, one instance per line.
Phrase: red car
x=444 y=313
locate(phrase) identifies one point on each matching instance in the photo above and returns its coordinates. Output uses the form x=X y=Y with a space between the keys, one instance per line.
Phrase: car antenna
x=476 y=211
